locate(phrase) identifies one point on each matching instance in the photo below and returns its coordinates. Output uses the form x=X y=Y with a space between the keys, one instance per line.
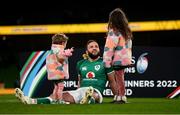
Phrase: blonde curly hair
x=59 y=38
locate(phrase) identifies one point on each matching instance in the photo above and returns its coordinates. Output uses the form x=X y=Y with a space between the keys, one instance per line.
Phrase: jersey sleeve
x=55 y=71
x=78 y=66
x=109 y=70
x=111 y=43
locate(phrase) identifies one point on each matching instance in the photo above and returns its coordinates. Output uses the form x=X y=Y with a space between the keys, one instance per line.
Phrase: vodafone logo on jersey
x=90 y=75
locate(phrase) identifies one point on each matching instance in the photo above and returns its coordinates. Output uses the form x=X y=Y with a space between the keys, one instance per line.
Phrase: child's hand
x=68 y=52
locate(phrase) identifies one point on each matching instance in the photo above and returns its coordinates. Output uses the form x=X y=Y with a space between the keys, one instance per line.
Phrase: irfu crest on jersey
x=90 y=75
x=97 y=67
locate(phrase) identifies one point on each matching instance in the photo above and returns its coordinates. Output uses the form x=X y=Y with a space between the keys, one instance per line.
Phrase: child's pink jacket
x=55 y=69
x=117 y=51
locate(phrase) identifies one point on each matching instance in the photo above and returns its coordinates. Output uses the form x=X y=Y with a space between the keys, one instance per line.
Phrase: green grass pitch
x=9 y=104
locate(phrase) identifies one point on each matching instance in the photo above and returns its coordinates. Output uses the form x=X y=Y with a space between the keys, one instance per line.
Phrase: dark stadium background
x=73 y=11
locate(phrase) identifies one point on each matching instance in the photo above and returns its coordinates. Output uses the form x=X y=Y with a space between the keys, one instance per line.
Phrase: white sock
x=115 y=97
x=124 y=98
x=33 y=101
x=118 y=98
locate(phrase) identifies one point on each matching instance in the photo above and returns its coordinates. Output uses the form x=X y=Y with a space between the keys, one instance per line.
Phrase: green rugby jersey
x=93 y=74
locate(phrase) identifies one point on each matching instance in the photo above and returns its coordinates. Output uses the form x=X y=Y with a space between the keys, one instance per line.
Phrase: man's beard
x=93 y=56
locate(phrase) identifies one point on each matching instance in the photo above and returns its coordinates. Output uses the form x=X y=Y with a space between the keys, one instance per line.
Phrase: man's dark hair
x=89 y=41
